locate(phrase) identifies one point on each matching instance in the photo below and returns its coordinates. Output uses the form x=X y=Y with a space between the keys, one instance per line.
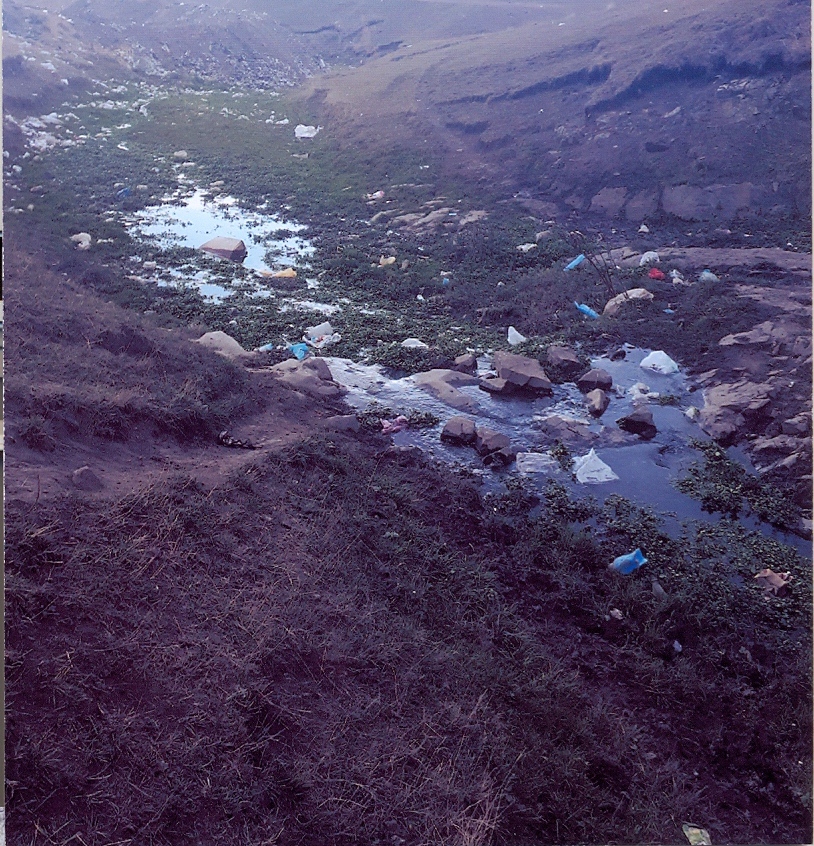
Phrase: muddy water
x=646 y=469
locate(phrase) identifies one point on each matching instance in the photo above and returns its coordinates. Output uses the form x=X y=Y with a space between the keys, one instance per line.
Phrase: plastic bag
x=660 y=362
x=590 y=469
x=626 y=564
x=299 y=350
x=586 y=310
x=515 y=337
x=575 y=262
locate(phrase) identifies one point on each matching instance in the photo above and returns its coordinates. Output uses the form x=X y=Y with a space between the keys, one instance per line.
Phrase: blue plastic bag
x=626 y=564
x=576 y=262
x=266 y=348
x=300 y=350
x=587 y=310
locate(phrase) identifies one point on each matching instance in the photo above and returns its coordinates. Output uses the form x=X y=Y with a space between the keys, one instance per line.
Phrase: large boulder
x=311 y=376
x=459 y=431
x=563 y=362
x=639 y=422
x=522 y=371
x=597 y=401
x=593 y=379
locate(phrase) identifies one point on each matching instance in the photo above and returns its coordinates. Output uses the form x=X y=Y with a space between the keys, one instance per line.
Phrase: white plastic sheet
x=660 y=362
x=590 y=469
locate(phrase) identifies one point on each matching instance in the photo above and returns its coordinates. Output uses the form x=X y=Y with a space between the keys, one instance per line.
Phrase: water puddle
x=646 y=469
x=191 y=219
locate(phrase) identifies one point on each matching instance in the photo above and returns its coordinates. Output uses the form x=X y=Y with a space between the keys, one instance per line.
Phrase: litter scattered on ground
x=696 y=835
x=396 y=425
x=773 y=583
x=224 y=439
x=376 y=195
x=586 y=310
x=660 y=362
x=575 y=262
x=643 y=229
x=650 y=257
x=515 y=337
x=414 y=344
x=626 y=564
x=708 y=276
x=677 y=278
x=303 y=131
x=386 y=261
x=655 y=273
x=82 y=240
x=590 y=469
x=525 y=248
x=321 y=336
x=616 y=614
x=300 y=350
x=536 y=462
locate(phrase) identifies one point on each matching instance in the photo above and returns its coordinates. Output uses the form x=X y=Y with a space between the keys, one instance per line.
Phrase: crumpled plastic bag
x=590 y=469
x=696 y=835
x=626 y=564
x=660 y=362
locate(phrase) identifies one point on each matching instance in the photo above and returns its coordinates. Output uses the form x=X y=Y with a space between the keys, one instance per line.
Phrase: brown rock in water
x=84 y=479
x=522 y=371
x=466 y=363
x=496 y=385
x=597 y=401
x=639 y=422
x=501 y=457
x=595 y=378
x=564 y=360
x=459 y=431
x=488 y=441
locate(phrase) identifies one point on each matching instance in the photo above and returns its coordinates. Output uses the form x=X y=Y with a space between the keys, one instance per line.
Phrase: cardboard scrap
x=772 y=583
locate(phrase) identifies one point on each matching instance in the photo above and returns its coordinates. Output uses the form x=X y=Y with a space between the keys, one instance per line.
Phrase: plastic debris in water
x=590 y=469
x=660 y=362
x=626 y=564
x=575 y=262
x=586 y=310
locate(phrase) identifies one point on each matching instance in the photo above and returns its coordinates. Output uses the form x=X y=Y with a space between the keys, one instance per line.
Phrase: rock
x=496 y=385
x=766 y=332
x=618 y=355
x=781 y=443
x=84 y=479
x=442 y=384
x=502 y=457
x=488 y=441
x=593 y=379
x=564 y=360
x=720 y=202
x=414 y=344
x=799 y=425
x=566 y=430
x=730 y=405
x=522 y=371
x=466 y=363
x=459 y=431
x=597 y=401
x=180 y=154
x=609 y=201
x=311 y=376
x=643 y=204
x=223 y=344
x=639 y=422
x=613 y=306
x=343 y=423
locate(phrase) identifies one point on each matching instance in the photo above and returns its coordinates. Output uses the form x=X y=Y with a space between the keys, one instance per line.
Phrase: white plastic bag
x=590 y=469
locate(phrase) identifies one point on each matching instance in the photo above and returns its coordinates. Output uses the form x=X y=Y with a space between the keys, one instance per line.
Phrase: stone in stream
x=466 y=363
x=496 y=385
x=522 y=372
x=593 y=379
x=488 y=441
x=443 y=384
x=597 y=401
x=311 y=376
x=563 y=360
x=459 y=431
x=639 y=422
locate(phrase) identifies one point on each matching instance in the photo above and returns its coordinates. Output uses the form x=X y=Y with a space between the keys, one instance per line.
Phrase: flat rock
x=566 y=430
x=443 y=384
x=496 y=385
x=311 y=376
x=639 y=422
x=488 y=441
x=597 y=401
x=84 y=479
x=522 y=371
x=564 y=360
x=593 y=379
x=459 y=431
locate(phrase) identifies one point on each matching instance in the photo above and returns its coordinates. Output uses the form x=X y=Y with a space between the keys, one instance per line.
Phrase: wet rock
x=459 y=431
x=443 y=384
x=566 y=430
x=564 y=360
x=466 y=363
x=618 y=355
x=593 y=379
x=523 y=372
x=496 y=385
x=84 y=479
x=311 y=376
x=639 y=422
x=597 y=401
x=488 y=441
x=502 y=457
x=799 y=425
x=343 y=423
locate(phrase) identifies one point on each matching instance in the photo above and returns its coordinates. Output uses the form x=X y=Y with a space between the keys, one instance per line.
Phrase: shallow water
x=646 y=469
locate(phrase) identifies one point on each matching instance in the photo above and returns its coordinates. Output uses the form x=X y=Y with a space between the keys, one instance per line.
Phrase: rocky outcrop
x=593 y=379
x=730 y=406
x=597 y=401
x=459 y=431
x=522 y=372
x=639 y=422
x=311 y=376
x=443 y=384
x=343 y=423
